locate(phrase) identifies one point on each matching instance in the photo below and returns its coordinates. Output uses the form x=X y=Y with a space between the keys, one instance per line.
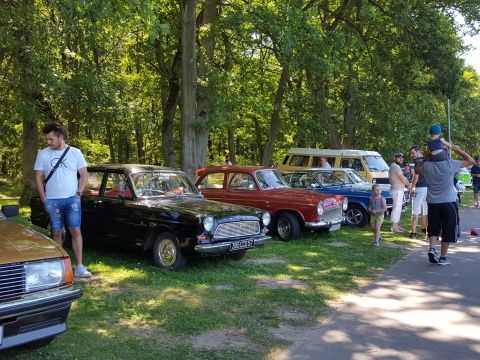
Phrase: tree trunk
x=30 y=145
x=206 y=91
x=109 y=139
x=189 y=86
x=275 y=120
x=231 y=146
x=139 y=141
x=169 y=108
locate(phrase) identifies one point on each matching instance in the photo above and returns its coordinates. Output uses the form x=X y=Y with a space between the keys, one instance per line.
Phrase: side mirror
x=10 y=210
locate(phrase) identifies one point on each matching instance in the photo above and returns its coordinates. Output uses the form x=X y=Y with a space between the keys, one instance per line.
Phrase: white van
x=369 y=164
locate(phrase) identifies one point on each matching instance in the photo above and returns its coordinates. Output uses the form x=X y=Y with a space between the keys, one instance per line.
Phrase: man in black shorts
x=442 y=202
x=475 y=172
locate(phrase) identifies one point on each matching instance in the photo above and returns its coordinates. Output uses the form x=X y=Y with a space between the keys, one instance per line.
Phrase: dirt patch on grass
x=218 y=339
x=273 y=283
x=289 y=333
x=338 y=244
x=221 y=287
x=291 y=314
x=266 y=261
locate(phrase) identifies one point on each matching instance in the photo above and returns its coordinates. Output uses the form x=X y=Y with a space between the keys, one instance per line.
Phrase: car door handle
x=97 y=202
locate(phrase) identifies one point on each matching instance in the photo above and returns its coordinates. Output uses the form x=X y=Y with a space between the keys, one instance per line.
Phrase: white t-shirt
x=395 y=182
x=63 y=183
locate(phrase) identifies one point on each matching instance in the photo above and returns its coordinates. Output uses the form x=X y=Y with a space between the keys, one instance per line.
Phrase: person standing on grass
x=397 y=188
x=442 y=202
x=59 y=188
x=418 y=193
x=475 y=172
x=377 y=206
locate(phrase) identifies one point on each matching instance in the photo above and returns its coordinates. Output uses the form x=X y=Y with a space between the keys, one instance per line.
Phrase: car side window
x=299 y=160
x=212 y=181
x=316 y=161
x=94 y=183
x=240 y=181
x=350 y=163
x=117 y=185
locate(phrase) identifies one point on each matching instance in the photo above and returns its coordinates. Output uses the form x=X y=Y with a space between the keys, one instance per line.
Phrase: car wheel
x=356 y=215
x=167 y=253
x=287 y=227
x=238 y=255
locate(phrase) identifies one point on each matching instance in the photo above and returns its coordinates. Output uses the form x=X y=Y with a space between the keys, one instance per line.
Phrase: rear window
x=212 y=181
x=351 y=163
x=94 y=183
x=299 y=160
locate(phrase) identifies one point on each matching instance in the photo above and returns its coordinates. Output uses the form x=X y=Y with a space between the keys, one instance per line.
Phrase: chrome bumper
x=323 y=224
x=224 y=247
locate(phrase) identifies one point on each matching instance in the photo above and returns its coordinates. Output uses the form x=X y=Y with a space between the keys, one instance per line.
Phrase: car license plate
x=334 y=227
x=242 y=244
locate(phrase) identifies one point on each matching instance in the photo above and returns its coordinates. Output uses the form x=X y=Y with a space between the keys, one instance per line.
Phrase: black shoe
x=413 y=235
x=443 y=261
x=432 y=256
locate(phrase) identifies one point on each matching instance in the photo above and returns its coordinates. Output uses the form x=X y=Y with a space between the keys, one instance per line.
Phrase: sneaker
x=443 y=261
x=432 y=256
x=82 y=272
x=413 y=235
x=376 y=243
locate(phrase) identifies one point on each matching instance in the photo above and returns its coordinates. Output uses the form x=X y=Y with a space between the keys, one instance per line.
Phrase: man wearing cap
x=397 y=188
x=475 y=172
x=442 y=202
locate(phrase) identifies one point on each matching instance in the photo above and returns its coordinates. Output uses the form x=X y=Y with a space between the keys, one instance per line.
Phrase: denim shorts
x=63 y=212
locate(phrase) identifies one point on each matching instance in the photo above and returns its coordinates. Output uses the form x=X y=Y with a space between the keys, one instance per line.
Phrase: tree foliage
x=271 y=74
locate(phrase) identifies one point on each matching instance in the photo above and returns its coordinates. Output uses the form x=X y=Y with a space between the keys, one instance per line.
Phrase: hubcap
x=354 y=216
x=167 y=252
x=284 y=228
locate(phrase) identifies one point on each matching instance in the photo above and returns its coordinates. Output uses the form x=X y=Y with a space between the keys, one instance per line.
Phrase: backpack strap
x=56 y=166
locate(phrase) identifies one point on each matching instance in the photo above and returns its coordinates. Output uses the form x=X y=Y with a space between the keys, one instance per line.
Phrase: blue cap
x=435 y=129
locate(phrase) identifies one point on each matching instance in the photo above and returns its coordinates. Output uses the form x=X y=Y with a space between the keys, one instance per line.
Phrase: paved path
x=415 y=311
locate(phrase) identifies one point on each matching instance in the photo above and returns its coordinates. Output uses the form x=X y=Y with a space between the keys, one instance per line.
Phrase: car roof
x=130 y=168
x=322 y=169
x=224 y=168
x=331 y=152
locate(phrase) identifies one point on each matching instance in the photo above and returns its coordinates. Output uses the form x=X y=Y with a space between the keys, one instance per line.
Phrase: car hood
x=200 y=206
x=19 y=244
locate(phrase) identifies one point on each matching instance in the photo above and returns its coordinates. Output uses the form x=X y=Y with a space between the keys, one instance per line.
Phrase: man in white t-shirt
x=324 y=163
x=61 y=194
x=397 y=187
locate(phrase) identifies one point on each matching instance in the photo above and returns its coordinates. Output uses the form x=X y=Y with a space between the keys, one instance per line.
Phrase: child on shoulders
x=438 y=146
x=377 y=206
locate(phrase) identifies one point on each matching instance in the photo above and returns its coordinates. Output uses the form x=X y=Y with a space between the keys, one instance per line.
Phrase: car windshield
x=326 y=178
x=355 y=177
x=270 y=179
x=162 y=184
x=376 y=163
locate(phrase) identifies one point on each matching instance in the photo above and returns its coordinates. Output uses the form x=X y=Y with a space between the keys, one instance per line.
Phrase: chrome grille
x=12 y=280
x=332 y=214
x=236 y=229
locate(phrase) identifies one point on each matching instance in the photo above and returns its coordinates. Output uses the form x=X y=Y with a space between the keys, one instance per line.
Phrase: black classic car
x=157 y=208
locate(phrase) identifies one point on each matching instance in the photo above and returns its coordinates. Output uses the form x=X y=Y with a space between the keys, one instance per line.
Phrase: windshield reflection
x=375 y=163
x=148 y=184
x=270 y=179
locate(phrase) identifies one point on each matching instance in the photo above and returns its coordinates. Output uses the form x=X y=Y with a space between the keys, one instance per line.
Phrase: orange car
x=36 y=285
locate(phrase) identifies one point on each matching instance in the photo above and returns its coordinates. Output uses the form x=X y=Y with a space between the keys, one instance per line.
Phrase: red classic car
x=292 y=210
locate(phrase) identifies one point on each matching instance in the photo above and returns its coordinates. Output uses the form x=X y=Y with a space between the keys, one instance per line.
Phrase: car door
x=241 y=189
x=91 y=220
x=212 y=186
x=121 y=223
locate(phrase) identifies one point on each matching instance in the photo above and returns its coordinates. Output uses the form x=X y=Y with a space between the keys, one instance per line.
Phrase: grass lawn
x=215 y=308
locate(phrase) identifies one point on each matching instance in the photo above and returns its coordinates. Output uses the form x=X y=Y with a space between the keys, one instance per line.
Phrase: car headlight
x=345 y=204
x=266 y=218
x=320 y=208
x=44 y=274
x=208 y=223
